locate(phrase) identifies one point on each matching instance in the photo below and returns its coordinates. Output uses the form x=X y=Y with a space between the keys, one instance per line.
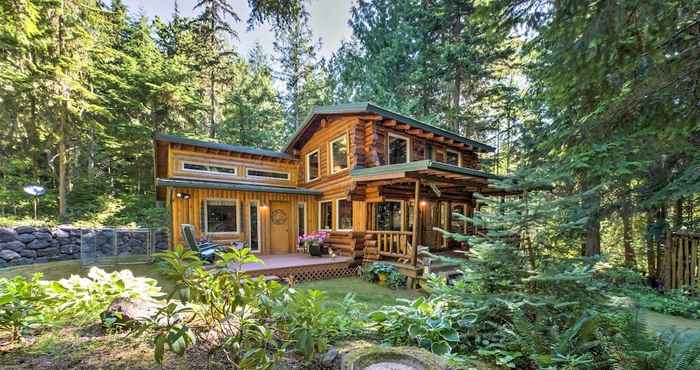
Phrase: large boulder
x=14 y=245
x=9 y=255
x=124 y=310
x=25 y=229
x=7 y=234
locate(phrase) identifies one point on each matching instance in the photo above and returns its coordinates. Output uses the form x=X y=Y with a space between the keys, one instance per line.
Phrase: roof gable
x=368 y=107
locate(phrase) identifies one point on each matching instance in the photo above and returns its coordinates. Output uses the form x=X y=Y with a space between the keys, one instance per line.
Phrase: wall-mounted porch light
x=423 y=203
x=184 y=196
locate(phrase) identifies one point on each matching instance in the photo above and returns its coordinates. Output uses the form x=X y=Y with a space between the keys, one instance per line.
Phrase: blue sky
x=329 y=21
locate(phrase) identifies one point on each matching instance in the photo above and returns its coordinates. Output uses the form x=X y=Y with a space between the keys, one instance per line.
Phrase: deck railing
x=395 y=244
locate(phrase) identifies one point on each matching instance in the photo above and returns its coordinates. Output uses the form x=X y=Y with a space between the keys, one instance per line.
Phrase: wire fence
x=109 y=246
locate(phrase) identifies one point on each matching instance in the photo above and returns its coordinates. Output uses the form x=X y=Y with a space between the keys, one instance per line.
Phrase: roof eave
x=235 y=186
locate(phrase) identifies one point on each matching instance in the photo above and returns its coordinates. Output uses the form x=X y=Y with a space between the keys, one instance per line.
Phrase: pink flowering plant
x=318 y=237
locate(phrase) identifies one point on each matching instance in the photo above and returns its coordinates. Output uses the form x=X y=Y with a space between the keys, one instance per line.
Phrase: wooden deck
x=301 y=267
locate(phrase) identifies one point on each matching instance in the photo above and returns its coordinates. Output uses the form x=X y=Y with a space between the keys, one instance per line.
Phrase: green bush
x=21 y=304
x=394 y=279
x=675 y=302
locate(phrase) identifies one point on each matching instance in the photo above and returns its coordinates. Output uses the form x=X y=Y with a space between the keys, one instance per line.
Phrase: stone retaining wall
x=25 y=245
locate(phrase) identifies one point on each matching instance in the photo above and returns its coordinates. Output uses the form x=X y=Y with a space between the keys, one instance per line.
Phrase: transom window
x=344 y=221
x=325 y=218
x=220 y=216
x=398 y=149
x=201 y=167
x=339 y=154
x=453 y=158
x=312 y=166
x=265 y=174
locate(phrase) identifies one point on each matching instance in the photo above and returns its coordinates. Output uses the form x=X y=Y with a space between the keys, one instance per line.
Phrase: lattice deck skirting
x=297 y=274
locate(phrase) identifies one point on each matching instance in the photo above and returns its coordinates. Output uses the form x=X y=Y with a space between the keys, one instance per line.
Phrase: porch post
x=416 y=226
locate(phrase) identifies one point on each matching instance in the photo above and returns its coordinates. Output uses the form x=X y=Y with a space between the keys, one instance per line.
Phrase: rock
x=7 y=234
x=38 y=244
x=58 y=234
x=9 y=255
x=328 y=359
x=41 y=260
x=3 y=263
x=21 y=261
x=29 y=253
x=26 y=238
x=25 y=229
x=123 y=310
x=42 y=235
x=47 y=252
x=14 y=245
x=69 y=249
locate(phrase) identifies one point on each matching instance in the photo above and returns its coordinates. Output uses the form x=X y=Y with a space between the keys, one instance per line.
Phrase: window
x=339 y=154
x=254 y=235
x=453 y=158
x=344 y=221
x=218 y=169
x=459 y=225
x=220 y=216
x=325 y=218
x=301 y=209
x=387 y=216
x=265 y=174
x=312 y=166
x=398 y=149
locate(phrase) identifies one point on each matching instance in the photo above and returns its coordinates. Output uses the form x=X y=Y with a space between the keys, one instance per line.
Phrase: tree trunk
x=630 y=258
x=63 y=116
x=212 y=108
x=592 y=241
x=457 y=87
x=678 y=214
x=651 y=255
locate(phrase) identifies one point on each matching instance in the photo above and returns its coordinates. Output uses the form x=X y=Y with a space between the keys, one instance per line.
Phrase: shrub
x=21 y=304
x=384 y=273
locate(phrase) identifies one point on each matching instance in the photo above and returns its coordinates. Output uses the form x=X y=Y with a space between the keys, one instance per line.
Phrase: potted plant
x=314 y=242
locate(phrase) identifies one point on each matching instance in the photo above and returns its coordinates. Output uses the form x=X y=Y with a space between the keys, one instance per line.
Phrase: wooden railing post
x=416 y=226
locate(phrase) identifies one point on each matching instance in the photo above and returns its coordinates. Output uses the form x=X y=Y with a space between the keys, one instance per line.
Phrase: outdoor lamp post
x=36 y=191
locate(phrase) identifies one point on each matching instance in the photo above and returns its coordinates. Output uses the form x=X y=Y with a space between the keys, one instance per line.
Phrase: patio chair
x=207 y=251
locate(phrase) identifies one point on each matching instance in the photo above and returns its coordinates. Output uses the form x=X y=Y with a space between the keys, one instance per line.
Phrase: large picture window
x=387 y=216
x=339 y=154
x=344 y=222
x=220 y=216
x=398 y=149
x=453 y=158
x=325 y=218
x=312 y=166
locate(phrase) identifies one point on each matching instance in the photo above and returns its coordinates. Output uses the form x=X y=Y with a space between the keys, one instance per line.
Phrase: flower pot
x=315 y=250
x=382 y=276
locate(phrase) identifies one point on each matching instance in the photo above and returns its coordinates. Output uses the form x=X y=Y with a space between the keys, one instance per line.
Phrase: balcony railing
x=396 y=244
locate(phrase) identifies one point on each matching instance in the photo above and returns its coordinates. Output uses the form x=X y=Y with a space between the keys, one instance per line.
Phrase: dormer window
x=454 y=158
x=312 y=166
x=398 y=149
x=339 y=154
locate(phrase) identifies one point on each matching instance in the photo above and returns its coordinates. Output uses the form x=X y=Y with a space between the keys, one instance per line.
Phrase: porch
x=302 y=267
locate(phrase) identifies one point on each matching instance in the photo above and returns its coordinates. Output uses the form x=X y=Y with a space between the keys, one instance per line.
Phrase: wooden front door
x=280 y=221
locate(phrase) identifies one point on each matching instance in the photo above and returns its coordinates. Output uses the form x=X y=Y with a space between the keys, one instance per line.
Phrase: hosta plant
x=22 y=303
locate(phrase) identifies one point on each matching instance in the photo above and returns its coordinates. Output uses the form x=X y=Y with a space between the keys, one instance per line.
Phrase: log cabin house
x=356 y=170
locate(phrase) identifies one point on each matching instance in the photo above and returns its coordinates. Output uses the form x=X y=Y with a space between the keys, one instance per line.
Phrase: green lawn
x=372 y=295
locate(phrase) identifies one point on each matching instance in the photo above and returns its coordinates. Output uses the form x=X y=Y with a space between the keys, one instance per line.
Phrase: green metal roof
x=426 y=164
x=220 y=146
x=369 y=107
x=234 y=186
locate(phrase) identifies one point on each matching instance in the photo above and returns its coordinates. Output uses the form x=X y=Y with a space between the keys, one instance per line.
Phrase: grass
x=373 y=296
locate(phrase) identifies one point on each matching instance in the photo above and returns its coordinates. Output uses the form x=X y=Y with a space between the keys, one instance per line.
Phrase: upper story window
x=312 y=165
x=339 y=154
x=216 y=169
x=266 y=174
x=398 y=149
x=453 y=157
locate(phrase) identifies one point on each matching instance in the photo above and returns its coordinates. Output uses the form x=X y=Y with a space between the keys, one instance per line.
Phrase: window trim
x=403 y=209
x=388 y=147
x=459 y=156
x=337 y=215
x=234 y=168
x=265 y=177
x=238 y=217
x=464 y=209
x=250 y=226
x=307 y=165
x=347 y=153
x=320 y=211
x=305 y=223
